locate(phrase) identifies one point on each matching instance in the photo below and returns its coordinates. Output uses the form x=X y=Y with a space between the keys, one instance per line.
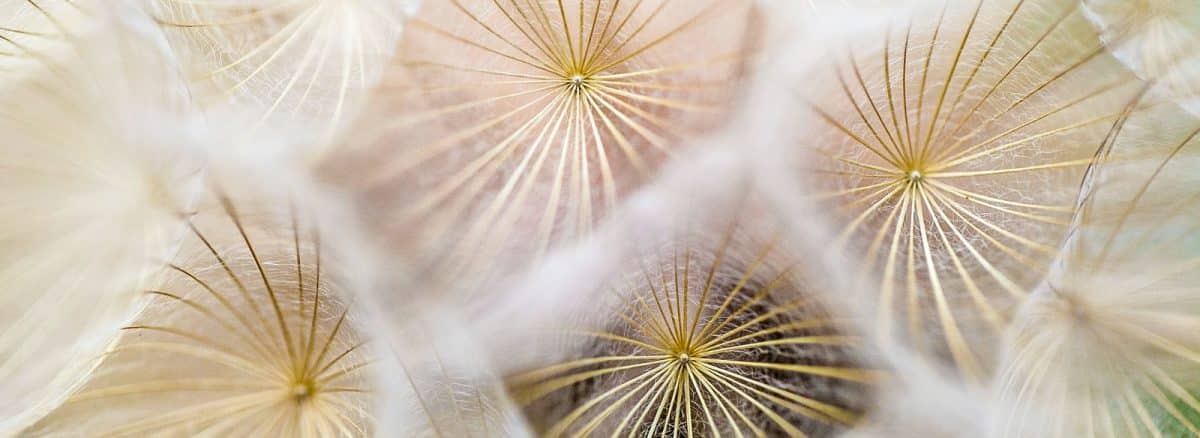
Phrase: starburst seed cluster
x=510 y=218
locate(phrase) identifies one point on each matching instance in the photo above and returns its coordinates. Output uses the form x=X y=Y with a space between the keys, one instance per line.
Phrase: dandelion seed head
x=248 y=331
x=949 y=144
x=533 y=120
x=703 y=343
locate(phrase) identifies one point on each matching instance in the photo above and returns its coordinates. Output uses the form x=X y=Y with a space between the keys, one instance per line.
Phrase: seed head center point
x=577 y=83
x=302 y=390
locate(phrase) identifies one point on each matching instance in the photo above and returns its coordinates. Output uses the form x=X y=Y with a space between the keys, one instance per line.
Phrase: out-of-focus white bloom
x=1160 y=39
x=920 y=401
x=1108 y=345
x=28 y=29
x=95 y=175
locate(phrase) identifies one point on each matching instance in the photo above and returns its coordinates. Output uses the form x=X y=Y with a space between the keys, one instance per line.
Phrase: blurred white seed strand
x=98 y=166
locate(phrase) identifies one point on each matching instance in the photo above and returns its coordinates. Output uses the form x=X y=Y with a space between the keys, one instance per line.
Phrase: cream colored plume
x=27 y=29
x=506 y=128
x=1160 y=39
x=948 y=141
x=1107 y=346
x=306 y=63
x=95 y=175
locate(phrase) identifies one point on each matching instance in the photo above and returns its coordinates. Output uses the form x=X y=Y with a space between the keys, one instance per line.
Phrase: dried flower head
x=513 y=125
x=249 y=332
x=951 y=146
x=705 y=342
